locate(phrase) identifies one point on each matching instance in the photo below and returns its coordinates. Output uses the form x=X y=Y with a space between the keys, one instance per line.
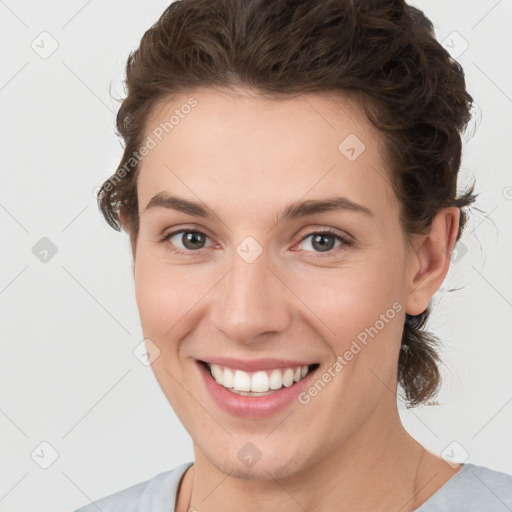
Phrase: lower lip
x=253 y=406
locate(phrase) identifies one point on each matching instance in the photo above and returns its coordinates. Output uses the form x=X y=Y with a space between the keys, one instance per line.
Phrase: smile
x=259 y=383
x=254 y=388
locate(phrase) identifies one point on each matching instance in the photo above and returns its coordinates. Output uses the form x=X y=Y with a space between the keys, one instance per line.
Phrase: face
x=291 y=256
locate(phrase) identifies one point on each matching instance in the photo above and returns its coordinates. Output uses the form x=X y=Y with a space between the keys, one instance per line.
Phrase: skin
x=247 y=158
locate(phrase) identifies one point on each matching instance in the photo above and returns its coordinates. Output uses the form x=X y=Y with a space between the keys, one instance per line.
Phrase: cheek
x=349 y=299
x=163 y=295
x=170 y=298
x=359 y=310
x=165 y=300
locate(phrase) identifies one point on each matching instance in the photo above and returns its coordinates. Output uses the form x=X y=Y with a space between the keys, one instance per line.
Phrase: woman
x=289 y=185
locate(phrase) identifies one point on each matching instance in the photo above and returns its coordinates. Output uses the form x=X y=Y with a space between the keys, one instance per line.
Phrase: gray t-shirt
x=472 y=489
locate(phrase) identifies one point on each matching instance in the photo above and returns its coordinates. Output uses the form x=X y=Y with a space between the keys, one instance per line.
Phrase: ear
x=124 y=220
x=429 y=260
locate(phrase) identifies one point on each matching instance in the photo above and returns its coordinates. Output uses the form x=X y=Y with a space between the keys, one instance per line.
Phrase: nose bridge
x=250 y=300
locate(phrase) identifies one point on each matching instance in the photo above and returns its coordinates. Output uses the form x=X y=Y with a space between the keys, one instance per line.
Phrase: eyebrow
x=294 y=210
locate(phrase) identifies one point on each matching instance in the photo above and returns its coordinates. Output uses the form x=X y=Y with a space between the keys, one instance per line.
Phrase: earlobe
x=431 y=260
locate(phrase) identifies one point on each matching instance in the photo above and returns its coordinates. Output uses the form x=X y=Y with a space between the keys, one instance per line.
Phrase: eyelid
x=318 y=229
x=189 y=227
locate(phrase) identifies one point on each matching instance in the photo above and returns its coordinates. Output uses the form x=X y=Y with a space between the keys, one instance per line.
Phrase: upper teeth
x=260 y=381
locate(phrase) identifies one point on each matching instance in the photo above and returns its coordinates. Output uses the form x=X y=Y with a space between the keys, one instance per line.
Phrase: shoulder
x=473 y=488
x=157 y=494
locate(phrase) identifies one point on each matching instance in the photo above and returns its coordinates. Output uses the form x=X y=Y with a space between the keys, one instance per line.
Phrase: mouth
x=260 y=383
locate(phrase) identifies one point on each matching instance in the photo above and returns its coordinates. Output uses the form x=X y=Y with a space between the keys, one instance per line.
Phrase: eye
x=187 y=239
x=320 y=243
x=324 y=242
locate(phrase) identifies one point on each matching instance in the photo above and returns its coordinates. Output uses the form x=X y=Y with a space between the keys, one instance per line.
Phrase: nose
x=251 y=301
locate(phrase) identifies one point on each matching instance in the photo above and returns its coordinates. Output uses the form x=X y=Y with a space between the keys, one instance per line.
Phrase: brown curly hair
x=384 y=51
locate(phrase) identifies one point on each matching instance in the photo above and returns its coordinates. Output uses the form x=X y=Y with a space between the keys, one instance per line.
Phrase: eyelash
x=345 y=242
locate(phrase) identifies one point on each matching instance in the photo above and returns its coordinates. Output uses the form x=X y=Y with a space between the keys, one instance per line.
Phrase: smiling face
x=246 y=273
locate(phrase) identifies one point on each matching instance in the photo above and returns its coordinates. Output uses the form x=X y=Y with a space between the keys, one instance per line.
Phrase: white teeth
x=242 y=381
x=216 y=372
x=258 y=383
x=288 y=377
x=227 y=377
x=276 y=380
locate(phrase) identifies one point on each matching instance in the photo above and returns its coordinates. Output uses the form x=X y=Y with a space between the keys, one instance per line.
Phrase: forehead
x=214 y=145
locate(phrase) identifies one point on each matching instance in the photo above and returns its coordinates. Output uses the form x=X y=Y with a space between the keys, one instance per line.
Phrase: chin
x=272 y=464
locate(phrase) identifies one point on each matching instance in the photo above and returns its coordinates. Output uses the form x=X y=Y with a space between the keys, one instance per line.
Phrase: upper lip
x=253 y=365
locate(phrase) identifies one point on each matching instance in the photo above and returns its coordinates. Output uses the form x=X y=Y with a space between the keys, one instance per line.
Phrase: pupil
x=192 y=240
x=319 y=242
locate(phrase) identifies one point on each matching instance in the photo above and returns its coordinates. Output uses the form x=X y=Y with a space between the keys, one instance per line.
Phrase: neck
x=379 y=467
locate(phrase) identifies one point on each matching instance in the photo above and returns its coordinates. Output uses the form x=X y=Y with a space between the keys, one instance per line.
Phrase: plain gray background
x=69 y=322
